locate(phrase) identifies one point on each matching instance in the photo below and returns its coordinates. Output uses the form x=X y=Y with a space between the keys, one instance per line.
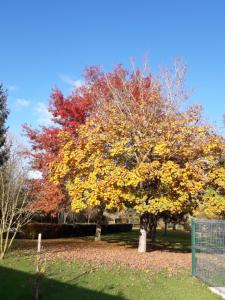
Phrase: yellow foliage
x=153 y=163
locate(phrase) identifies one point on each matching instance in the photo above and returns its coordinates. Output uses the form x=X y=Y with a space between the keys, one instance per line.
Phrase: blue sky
x=48 y=43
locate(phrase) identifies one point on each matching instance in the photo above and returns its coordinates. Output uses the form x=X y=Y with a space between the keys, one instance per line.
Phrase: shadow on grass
x=174 y=241
x=16 y=285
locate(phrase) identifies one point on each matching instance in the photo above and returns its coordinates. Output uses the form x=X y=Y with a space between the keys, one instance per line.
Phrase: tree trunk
x=152 y=225
x=98 y=232
x=153 y=232
x=142 y=240
x=165 y=228
x=74 y=219
x=143 y=234
x=65 y=215
x=99 y=222
x=174 y=226
x=59 y=218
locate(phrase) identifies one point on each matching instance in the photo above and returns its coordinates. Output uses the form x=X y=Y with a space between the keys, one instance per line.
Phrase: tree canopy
x=137 y=148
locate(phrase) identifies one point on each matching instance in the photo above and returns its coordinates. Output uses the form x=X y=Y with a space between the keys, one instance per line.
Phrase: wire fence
x=208 y=251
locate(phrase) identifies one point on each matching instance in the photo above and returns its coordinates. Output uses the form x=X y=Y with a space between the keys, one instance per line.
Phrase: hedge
x=52 y=231
x=116 y=228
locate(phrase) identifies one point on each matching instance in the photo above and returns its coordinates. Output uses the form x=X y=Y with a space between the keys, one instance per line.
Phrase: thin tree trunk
x=59 y=218
x=65 y=216
x=88 y=219
x=165 y=228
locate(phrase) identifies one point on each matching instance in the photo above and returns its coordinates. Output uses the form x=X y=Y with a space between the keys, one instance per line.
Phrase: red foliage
x=71 y=111
x=67 y=113
x=49 y=197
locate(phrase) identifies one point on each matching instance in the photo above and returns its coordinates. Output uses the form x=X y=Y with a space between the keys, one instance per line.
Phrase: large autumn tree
x=137 y=148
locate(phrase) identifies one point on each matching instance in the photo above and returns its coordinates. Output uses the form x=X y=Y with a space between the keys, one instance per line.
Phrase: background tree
x=213 y=204
x=16 y=205
x=4 y=151
x=67 y=114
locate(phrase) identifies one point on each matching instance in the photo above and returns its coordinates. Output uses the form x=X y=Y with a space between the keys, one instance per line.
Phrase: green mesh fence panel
x=208 y=251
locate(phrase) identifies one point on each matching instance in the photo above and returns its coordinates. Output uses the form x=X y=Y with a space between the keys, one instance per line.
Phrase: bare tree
x=172 y=84
x=15 y=202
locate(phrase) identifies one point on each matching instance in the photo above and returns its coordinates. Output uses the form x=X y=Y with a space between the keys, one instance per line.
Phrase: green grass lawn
x=83 y=281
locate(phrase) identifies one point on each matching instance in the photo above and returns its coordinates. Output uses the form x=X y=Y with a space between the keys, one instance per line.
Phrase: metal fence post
x=193 y=225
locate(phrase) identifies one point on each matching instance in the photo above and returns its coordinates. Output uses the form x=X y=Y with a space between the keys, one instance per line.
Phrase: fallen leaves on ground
x=114 y=254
